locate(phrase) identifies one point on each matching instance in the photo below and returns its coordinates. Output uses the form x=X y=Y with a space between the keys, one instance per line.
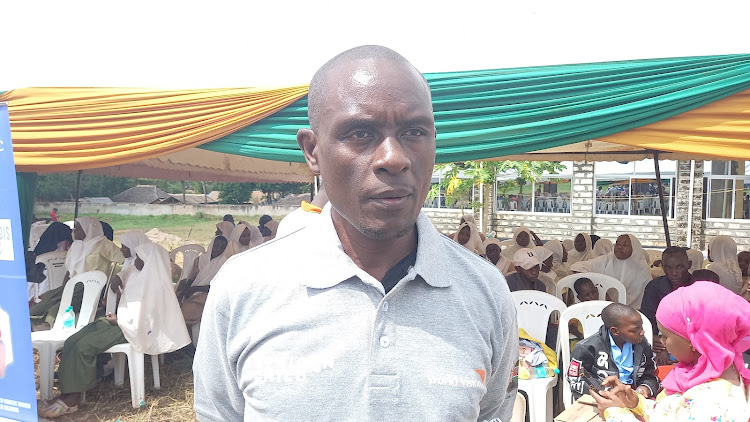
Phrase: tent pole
x=690 y=206
x=660 y=188
x=205 y=195
x=78 y=193
x=183 y=191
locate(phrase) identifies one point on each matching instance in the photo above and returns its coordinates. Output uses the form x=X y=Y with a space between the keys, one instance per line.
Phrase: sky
x=177 y=45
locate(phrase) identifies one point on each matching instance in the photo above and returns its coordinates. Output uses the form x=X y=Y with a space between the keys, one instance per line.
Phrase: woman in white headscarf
x=90 y=251
x=492 y=252
x=193 y=295
x=468 y=237
x=568 y=244
x=148 y=317
x=546 y=275
x=627 y=263
x=523 y=238
x=696 y=259
x=722 y=252
x=559 y=258
x=601 y=248
x=225 y=228
x=581 y=249
x=244 y=237
x=129 y=241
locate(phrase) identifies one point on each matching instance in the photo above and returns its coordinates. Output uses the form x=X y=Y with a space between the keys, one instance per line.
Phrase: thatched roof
x=142 y=194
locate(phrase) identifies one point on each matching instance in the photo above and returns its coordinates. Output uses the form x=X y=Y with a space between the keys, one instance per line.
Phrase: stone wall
x=739 y=230
x=444 y=219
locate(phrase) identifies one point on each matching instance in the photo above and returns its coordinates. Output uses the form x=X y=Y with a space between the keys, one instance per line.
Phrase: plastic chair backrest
x=549 y=284
x=70 y=224
x=189 y=253
x=93 y=283
x=533 y=309
x=55 y=263
x=602 y=282
x=589 y=314
x=35 y=234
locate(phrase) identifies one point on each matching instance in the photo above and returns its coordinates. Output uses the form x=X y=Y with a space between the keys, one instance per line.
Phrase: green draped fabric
x=493 y=113
x=26 y=183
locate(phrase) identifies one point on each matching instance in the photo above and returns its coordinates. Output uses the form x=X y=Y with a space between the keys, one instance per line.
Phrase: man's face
x=588 y=291
x=676 y=267
x=530 y=274
x=623 y=247
x=374 y=146
x=743 y=259
x=580 y=243
x=493 y=253
x=630 y=329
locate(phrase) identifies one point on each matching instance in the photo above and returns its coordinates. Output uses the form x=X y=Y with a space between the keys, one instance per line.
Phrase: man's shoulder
x=657 y=284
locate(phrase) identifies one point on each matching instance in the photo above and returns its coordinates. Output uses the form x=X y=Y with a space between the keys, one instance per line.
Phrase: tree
x=460 y=177
x=236 y=193
x=272 y=190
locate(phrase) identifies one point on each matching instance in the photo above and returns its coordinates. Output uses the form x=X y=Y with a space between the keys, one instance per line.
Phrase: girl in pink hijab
x=706 y=328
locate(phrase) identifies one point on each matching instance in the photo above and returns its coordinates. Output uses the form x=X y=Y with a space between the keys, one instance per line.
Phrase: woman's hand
x=619 y=395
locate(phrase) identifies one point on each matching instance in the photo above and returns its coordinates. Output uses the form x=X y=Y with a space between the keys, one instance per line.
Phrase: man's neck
x=679 y=284
x=374 y=256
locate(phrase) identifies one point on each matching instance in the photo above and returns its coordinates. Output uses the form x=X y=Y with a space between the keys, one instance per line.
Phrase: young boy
x=619 y=348
x=526 y=276
x=585 y=291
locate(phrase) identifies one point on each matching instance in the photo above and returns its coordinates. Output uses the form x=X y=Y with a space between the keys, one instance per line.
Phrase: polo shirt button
x=385 y=306
x=385 y=341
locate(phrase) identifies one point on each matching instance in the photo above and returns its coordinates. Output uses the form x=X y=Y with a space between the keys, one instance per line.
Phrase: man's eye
x=414 y=132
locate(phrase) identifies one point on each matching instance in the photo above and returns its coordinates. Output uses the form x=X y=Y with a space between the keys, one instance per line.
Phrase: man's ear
x=614 y=331
x=308 y=143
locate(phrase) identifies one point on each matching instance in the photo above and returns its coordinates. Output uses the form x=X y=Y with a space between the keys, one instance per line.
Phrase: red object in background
x=53 y=215
x=662 y=371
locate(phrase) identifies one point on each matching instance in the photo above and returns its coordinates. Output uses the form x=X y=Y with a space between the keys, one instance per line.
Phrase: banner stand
x=17 y=387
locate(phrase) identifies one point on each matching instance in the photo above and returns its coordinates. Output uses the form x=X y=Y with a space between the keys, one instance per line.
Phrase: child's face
x=588 y=291
x=630 y=329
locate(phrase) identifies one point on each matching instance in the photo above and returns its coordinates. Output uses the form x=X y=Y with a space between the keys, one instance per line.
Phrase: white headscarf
x=569 y=244
x=75 y=262
x=601 y=248
x=504 y=264
x=544 y=254
x=149 y=314
x=696 y=258
x=132 y=239
x=256 y=238
x=207 y=267
x=511 y=250
x=226 y=228
x=723 y=253
x=575 y=256
x=559 y=267
x=633 y=273
x=475 y=242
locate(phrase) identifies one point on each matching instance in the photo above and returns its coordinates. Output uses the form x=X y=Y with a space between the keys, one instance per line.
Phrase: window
x=727 y=190
x=438 y=199
x=631 y=188
x=551 y=194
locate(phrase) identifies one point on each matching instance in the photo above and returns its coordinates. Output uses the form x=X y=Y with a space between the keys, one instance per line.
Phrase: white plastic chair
x=549 y=284
x=48 y=342
x=589 y=314
x=189 y=254
x=519 y=409
x=136 y=363
x=55 y=264
x=533 y=309
x=602 y=282
x=35 y=234
x=70 y=224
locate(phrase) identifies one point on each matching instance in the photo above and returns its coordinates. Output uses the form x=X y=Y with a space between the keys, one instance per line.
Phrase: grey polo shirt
x=294 y=330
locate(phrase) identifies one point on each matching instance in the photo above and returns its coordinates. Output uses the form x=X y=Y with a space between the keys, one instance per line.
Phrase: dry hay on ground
x=173 y=402
x=169 y=241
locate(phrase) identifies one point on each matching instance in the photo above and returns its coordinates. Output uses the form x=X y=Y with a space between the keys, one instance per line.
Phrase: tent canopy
x=692 y=107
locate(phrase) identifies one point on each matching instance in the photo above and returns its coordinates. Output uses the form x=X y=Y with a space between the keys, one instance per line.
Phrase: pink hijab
x=717 y=323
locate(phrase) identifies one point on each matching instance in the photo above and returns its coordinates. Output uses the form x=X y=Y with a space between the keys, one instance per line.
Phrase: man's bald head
x=320 y=86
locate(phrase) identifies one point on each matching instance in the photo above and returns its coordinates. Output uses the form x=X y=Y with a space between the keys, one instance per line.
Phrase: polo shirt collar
x=326 y=248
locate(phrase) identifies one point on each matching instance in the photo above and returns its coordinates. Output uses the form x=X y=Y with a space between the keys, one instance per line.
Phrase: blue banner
x=17 y=388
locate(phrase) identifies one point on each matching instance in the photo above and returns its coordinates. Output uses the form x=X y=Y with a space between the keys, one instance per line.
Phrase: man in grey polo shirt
x=368 y=313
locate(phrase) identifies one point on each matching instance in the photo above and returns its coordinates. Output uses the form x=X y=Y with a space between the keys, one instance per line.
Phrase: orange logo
x=481 y=373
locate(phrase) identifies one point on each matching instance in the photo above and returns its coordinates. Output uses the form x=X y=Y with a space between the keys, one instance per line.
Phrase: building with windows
x=703 y=199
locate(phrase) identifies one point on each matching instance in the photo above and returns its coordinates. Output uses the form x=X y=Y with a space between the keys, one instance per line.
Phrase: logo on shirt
x=457 y=381
x=574 y=369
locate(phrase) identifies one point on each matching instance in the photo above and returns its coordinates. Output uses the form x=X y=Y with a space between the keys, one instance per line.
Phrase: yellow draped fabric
x=720 y=129
x=66 y=129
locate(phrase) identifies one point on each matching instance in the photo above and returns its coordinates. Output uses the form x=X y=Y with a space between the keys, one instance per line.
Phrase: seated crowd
x=153 y=313
x=699 y=316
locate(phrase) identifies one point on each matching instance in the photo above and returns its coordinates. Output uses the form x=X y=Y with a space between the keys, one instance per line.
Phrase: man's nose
x=390 y=156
